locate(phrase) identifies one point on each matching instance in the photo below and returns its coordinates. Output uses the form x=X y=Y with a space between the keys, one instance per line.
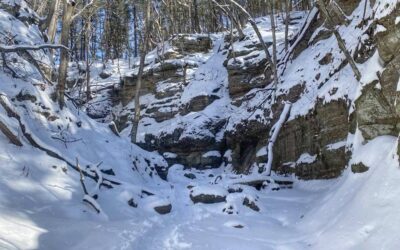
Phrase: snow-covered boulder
x=208 y=194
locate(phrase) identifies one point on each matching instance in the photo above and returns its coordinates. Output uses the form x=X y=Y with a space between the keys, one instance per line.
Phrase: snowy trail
x=309 y=216
x=41 y=197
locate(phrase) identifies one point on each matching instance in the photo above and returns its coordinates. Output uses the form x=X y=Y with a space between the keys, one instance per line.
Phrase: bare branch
x=18 y=48
x=87 y=6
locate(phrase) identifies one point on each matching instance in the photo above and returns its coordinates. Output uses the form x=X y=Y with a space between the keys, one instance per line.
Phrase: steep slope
x=221 y=108
x=208 y=110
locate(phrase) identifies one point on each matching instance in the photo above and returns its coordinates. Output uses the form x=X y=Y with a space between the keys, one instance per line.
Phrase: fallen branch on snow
x=13 y=114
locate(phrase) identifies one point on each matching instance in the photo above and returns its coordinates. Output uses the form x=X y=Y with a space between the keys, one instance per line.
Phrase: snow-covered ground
x=41 y=197
x=41 y=208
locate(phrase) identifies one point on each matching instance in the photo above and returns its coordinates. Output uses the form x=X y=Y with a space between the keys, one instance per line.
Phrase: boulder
x=359 y=168
x=132 y=203
x=164 y=209
x=105 y=75
x=388 y=43
x=375 y=115
x=250 y=204
x=208 y=195
x=190 y=176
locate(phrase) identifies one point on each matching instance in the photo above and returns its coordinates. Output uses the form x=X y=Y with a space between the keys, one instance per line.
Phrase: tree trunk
x=234 y=20
x=340 y=41
x=254 y=25
x=52 y=19
x=196 y=17
x=87 y=41
x=135 y=28
x=145 y=41
x=64 y=55
x=365 y=10
x=274 y=52
x=287 y=20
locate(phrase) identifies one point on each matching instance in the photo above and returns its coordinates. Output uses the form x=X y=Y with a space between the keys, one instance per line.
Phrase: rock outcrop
x=311 y=144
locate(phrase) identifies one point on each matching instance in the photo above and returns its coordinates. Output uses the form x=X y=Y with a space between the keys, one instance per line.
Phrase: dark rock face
x=377 y=112
x=128 y=88
x=242 y=80
x=243 y=143
x=247 y=73
x=201 y=43
x=199 y=103
x=388 y=42
x=25 y=97
x=375 y=115
x=312 y=134
x=359 y=168
x=166 y=209
x=189 y=151
x=207 y=198
x=321 y=133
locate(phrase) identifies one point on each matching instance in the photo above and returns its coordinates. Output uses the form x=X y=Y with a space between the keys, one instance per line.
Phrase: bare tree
x=68 y=10
x=287 y=20
x=143 y=51
x=274 y=52
x=67 y=18
x=232 y=17
x=339 y=39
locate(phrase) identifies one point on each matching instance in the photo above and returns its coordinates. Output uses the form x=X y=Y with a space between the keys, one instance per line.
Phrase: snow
x=41 y=203
x=209 y=190
x=397 y=21
x=398 y=86
x=274 y=135
x=262 y=151
x=306 y=158
x=336 y=145
x=380 y=28
x=170 y=155
x=213 y=153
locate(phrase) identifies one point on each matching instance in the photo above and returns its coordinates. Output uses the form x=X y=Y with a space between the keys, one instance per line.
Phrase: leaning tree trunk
x=233 y=19
x=64 y=55
x=146 y=36
x=339 y=39
x=254 y=25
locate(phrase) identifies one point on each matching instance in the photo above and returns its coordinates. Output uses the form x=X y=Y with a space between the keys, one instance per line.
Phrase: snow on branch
x=17 y=48
x=99 y=180
x=90 y=198
x=274 y=135
x=87 y=6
